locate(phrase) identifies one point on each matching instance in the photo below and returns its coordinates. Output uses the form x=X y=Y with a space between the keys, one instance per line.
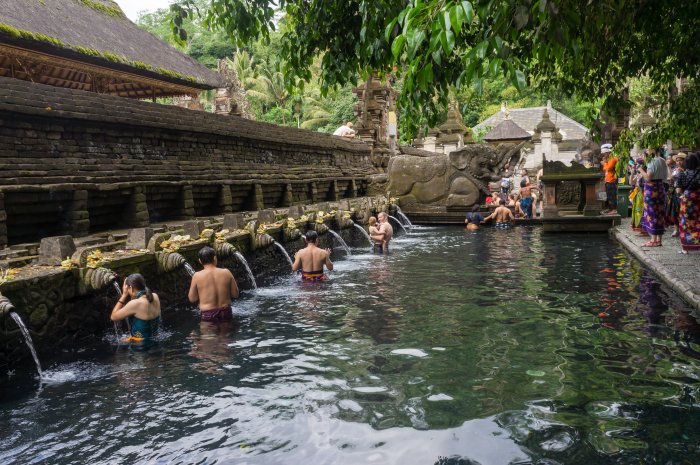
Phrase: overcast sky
x=132 y=7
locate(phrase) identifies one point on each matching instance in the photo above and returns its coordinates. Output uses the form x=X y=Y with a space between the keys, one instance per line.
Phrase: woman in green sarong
x=637 y=198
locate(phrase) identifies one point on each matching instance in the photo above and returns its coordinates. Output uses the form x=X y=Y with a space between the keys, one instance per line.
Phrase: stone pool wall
x=65 y=309
x=77 y=163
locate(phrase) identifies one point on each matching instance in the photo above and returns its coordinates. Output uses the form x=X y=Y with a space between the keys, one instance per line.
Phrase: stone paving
x=680 y=272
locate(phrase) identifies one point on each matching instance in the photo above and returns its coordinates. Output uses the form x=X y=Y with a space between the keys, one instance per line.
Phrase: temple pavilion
x=90 y=45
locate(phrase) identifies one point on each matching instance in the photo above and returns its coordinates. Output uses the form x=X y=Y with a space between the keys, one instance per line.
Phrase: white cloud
x=132 y=7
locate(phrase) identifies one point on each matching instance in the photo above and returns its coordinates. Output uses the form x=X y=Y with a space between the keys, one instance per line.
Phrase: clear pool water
x=493 y=347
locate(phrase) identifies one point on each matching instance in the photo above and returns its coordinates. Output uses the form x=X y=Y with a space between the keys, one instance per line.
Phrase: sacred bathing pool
x=544 y=343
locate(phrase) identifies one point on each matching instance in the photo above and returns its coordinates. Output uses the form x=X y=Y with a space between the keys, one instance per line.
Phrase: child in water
x=374 y=232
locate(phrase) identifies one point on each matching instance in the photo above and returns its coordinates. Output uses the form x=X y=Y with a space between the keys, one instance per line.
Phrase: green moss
x=18 y=33
x=111 y=10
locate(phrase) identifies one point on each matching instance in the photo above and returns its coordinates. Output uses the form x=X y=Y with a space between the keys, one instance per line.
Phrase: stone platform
x=680 y=272
x=569 y=223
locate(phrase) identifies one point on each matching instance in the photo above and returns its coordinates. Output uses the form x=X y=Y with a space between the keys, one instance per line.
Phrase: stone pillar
x=313 y=192
x=78 y=218
x=187 y=202
x=288 y=198
x=550 y=200
x=3 y=222
x=352 y=189
x=592 y=205
x=255 y=199
x=225 y=199
x=136 y=212
x=333 y=191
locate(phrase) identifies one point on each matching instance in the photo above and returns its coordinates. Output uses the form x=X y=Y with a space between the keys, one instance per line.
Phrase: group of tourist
x=215 y=288
x=524 y=201
x=666 y=194
x=508 y=205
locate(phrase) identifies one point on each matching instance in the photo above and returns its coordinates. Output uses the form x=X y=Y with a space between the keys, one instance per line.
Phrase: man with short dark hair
x=502 y=215
x=213 y=287
x=311 y=259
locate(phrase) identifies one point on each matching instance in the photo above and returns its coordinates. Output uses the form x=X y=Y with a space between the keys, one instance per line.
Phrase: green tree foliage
x=205 y=45
x=582 y=47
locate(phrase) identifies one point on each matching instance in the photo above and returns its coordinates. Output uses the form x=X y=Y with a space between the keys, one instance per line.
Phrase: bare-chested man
x=385 y=233
x=502 y=215
x=526 y=197
x=311 y=259
x=214 y=288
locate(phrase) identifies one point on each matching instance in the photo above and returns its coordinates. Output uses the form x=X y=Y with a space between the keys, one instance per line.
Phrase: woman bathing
x=140 y=307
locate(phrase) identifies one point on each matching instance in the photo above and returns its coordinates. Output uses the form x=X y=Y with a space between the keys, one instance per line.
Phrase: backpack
x=505 y=182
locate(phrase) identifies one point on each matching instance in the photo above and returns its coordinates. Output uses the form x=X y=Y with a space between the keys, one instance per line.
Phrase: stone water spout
x=5 y=306
x=95 y=279
x=344 y=219
x=169 y=261
x=259 y=239
x=224 y=249
x=291 y=230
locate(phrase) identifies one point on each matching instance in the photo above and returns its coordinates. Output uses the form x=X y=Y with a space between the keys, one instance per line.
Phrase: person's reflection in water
x=210 y=345
x=380 y=319
x=651 y=302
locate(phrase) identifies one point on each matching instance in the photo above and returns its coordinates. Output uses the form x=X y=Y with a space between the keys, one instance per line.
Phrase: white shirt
x=657 y=169
x=343 y=131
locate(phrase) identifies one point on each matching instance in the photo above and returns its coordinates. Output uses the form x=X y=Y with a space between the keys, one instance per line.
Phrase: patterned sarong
x=654 y=207
x=313 y=276
x=689 y=222
x=673 y=207
x=637 y=197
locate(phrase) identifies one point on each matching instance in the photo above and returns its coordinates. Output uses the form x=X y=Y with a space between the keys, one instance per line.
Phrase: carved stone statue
x=457 y=180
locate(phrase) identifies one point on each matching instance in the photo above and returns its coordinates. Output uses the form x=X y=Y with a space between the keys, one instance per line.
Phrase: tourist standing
x=609 y=162
x=637 y=197
x=654 y=175
x=345 y=130
x=214 y=288
x=474 y=218
x=502 y=215
x=526 y=199
x=140 y=307
x=688 y=185
x=385 y=232
x=675 y=166
x=506 y=182
x=312 y=259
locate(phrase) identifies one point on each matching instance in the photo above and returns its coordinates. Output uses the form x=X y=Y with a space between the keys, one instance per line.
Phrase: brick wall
x=78 y=162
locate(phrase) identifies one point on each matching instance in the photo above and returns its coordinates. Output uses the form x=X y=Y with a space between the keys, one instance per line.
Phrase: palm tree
x=244 y=66
x=270 y=88
x=317 y=110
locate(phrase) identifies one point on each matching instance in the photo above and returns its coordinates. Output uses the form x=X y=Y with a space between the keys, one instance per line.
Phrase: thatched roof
x=507 y=130
x=95 y=33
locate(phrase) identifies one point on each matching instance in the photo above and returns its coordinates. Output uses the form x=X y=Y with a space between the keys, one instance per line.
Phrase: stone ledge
x=682 y=286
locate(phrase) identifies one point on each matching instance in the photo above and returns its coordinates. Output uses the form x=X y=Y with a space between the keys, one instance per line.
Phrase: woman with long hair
x=140 y=307
x=688 y=185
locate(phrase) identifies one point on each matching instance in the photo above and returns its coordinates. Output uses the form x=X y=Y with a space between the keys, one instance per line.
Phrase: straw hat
x=680 y=156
